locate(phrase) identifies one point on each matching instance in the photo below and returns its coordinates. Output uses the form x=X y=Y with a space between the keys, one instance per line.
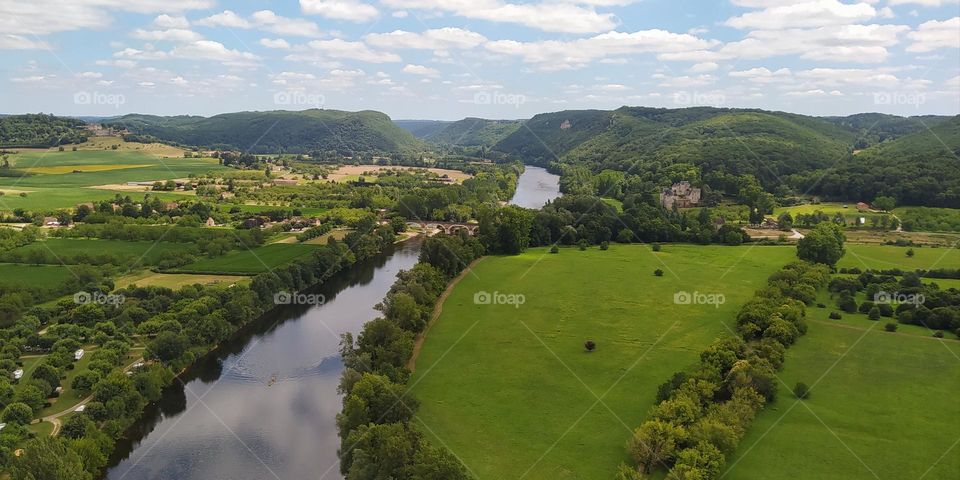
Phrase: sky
x=505 y=59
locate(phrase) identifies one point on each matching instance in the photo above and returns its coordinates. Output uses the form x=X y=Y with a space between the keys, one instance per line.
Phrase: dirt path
x=437 y=310
x=55 y=418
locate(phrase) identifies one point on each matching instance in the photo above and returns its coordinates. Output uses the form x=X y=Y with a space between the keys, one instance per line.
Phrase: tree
x=85 y=381
x=658 y=272
x=801 y=390
x=655 y=443
x=19 y=413
x=166 y=347
x=890 y=327
x=874 y=313
x=885 y=204
x=702 y=461
x=48 y=374
x=910 y=252
x=824 y=244
x=48 y=458
x=590 y=345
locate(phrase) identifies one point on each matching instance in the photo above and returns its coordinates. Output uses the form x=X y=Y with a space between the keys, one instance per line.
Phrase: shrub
x=801 y=390
x=656 y=247
x=938 y=334
x=874 y=314
x=910 y=253
x=658 y=272
x=583 y=244
x=820 y=305
x=835 y=315
x=590 y=345
x=847 y=303
x=890 y=327
x=554 y=249
x=605 y=245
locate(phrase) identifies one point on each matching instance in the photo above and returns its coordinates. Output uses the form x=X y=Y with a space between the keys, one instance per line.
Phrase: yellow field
x=61 y=169
x=176 y=280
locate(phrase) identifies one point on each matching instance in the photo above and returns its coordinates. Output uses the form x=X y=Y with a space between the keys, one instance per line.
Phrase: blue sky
x=449 y=59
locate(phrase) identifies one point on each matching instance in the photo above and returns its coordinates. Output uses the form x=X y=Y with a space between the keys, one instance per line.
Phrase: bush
x=656 y=247
x=583 y=244
x=658 y=272
x=605 y=245
x=847 y=303
x=938 y=334
x=554 y=249
x=890 y=327
x=590 y=345
x=801 y=390
x=820 y=305
x=910 y=253
x=835 y=315
x=874 y=314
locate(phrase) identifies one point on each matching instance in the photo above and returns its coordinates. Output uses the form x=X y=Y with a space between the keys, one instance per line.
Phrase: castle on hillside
x=681 y=195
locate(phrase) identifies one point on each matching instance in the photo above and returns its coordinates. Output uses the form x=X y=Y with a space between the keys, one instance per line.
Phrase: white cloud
x=171 y=35
x=804 y=14
x=934 y=35
x=216 y=51
x=275 y=43
x=421 y=70
x=925 y=3
x=704 y=67
x=18 y=42
x=323 y=50
x=89 y=75
x=763 y=75
x=550 y=17
x=434 y=39
x=41 y=17
x=265 y=20
x=168 y=21
x=351 y=10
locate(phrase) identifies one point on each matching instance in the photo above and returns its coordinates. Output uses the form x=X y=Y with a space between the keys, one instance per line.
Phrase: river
x=535 y=188
x=264 y=405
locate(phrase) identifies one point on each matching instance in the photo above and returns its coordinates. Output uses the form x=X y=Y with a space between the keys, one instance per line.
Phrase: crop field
x=63 y=179
x=177 y=280
x=885 y=256
x=512 y=391
x=42 y=276
x=133 y=253
x=248 y=262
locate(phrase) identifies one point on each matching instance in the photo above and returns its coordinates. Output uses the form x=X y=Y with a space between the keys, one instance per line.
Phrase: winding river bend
x=264 y=405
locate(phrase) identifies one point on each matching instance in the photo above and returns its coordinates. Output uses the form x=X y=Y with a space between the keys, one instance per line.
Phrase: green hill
x=278 y=131
x=875 y=128
x=39 y=130
x=650 y=140
x=922 y=168
x=474 y=132
x=422 y=128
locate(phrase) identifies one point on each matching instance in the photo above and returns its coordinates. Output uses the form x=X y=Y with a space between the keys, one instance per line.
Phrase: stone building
x=681 y=195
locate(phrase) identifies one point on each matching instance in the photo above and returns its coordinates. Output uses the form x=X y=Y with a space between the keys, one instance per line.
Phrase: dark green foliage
x=874 y=313
x=824 y=244
x=801 y=390
x=267 y=132
x=658 y=272
x=474 y=132
x=40 y=131
x=890 y=327
x=48 y=458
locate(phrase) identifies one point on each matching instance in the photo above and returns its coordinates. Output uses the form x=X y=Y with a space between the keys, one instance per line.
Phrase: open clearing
x=42 y=276
x=177 y=280
x=883 y=405
x=354 y=172
x=132 y=253
x=512 y=392
x=249 y=262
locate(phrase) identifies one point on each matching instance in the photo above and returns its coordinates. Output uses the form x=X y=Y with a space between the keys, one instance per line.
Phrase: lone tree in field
x=590 y=345
x=801 y=390
x=822 y=245
x=658 y=272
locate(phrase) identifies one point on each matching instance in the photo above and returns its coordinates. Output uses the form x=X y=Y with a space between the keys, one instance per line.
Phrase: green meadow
x=42 y=276
x=513 y=392
x=882 y=405
x=66 y=249
x=249 y=262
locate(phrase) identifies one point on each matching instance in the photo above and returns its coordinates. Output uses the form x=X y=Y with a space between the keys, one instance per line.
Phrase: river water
x=264 y=405
x=536 y=187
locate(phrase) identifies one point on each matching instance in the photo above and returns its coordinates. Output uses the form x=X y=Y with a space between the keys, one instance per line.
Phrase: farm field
x=176 y=280
x=53 y=184
x=136 y=253
x=257 y=260
x=42 y=276
x=512 y=391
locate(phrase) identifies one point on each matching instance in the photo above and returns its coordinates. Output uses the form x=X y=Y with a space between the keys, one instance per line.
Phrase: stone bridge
x=449 y=228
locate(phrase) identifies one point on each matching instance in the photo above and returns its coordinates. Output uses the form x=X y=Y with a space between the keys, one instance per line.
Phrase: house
x=210 y=222
x=18 y=374
x=680 y=195
x=863 y=207
x=78 y=354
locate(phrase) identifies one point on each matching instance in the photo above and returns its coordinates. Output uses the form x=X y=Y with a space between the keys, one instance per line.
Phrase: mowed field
x=253 y=261
x=512 y=391
x=882 y=406
x=63 y=250
x=43 y=276
x=63 y=179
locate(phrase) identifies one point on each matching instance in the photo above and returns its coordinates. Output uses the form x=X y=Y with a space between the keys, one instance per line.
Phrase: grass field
x=512 y=391
x=176 y=280
x=883 y=405
x=136 y=253
x=43 y=276
x=52 y=183
x=257 y=260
